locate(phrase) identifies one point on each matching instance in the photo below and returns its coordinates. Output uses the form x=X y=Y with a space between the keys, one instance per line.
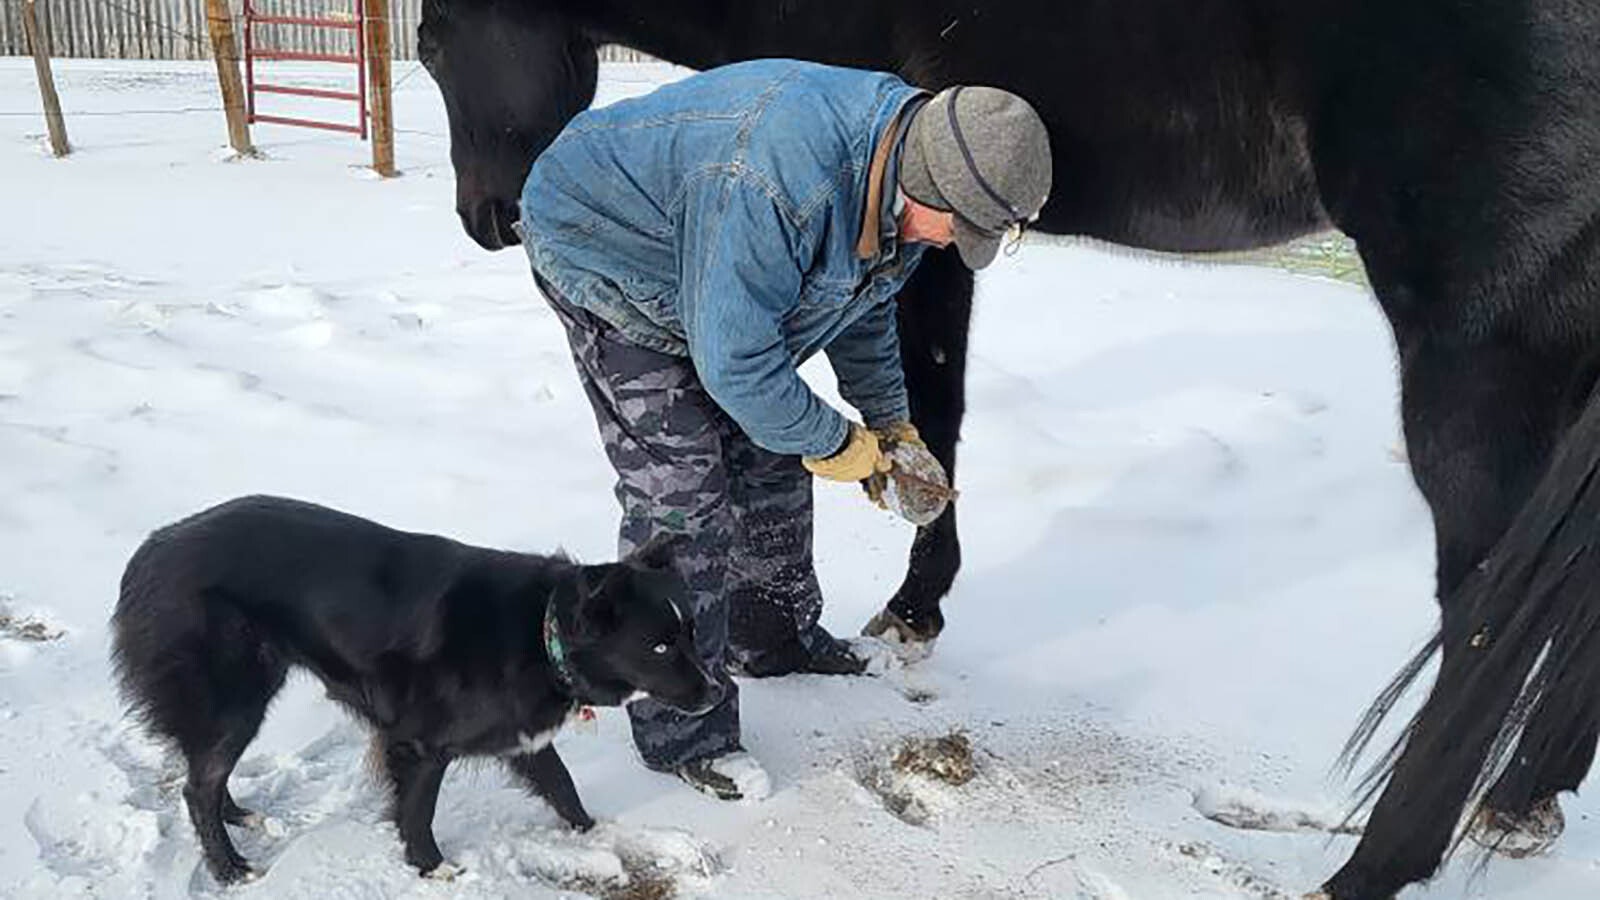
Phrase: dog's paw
x=445 y=871
x=235 y=872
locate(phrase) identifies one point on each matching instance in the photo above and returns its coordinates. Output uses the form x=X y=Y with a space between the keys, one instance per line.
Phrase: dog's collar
x=557 y=651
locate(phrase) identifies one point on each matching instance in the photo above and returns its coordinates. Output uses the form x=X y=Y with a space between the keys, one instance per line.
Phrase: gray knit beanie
x=984 y=154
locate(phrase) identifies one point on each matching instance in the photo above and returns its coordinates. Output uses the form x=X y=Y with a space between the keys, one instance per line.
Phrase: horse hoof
x=1519 y=837
x=909 y=644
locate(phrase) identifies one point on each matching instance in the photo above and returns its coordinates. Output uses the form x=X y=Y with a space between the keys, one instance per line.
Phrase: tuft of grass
x=1330 y=255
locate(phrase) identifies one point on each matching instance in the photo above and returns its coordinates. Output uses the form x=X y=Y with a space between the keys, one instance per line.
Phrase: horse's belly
x=1210 y=189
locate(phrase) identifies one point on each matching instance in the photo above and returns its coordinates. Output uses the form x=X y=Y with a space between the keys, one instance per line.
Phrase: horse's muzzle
x=489 y=222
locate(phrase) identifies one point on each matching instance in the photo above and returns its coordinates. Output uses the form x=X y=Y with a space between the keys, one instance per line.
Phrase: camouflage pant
x=684 y=466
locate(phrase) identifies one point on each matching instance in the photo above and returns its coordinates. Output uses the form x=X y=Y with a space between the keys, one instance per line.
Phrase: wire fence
x=176 y=29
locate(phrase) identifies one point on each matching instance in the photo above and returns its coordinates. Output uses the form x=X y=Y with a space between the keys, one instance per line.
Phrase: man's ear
x=598 y=590
x=658 y=553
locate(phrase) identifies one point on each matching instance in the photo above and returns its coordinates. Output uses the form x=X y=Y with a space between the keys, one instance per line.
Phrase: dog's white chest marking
x=528 y=744
x=533 y=743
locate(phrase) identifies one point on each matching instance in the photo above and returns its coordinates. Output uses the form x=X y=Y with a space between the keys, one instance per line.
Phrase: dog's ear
x=658 y=553
x=598 y=588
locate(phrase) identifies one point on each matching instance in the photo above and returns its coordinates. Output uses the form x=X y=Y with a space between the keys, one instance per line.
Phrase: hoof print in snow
x=614 y=863
x=639 y=882
x=1233 y=874
x=1248 y=810
x=918 y=779
x=947 y=758
x=637 y=887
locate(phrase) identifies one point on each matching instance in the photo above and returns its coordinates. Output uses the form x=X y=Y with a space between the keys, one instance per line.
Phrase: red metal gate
x=355 y=24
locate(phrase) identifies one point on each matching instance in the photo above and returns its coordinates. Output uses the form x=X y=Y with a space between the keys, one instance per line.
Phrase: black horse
x=1456 y=141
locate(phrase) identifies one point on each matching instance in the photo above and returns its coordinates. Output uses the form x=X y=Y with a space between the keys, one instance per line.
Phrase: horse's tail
x=1526 y=637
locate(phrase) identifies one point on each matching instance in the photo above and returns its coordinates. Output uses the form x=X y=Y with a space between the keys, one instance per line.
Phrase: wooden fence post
x=380 y=91
x=47 y=82
x=225 y=50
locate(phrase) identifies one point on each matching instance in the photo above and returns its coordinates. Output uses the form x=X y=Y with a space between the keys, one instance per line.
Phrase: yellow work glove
x=858 y=459
x=899 y=433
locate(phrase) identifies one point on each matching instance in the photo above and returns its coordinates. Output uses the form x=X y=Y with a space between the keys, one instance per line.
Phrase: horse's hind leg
x=1477 y=222
x=1482 y=417
x=1560 y=756
x=1521 y=815
x=1480 y=420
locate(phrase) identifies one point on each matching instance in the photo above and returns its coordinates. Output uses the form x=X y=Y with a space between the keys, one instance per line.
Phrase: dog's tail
x=1524 y=669
x=180 y=657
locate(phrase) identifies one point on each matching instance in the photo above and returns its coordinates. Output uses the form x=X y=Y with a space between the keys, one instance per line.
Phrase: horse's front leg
x=935 y=310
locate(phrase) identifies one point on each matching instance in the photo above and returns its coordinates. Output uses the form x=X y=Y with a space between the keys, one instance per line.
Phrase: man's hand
x=860 y=458
x=916 y=486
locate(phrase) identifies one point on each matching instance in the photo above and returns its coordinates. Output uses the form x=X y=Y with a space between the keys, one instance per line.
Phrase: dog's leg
x=209 y=768
x=234 y=814
x=546 y=775
x=204 y=799
x=414 y=775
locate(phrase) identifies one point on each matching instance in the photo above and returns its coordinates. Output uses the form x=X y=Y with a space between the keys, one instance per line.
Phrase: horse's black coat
x=1455 y=140
x=440 y=647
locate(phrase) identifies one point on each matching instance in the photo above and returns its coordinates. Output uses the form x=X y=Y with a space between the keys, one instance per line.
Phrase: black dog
x=445 y=650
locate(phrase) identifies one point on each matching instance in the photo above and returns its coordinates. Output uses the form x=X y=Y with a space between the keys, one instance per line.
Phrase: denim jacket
x=721 y=218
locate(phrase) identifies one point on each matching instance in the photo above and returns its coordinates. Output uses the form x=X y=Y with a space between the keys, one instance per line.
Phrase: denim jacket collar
x=879 y=242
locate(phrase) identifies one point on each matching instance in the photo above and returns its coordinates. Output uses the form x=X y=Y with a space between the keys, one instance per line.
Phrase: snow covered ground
x=1192 y=553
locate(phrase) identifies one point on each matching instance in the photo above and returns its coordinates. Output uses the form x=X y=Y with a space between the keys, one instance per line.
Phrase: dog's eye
x=659 y=649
